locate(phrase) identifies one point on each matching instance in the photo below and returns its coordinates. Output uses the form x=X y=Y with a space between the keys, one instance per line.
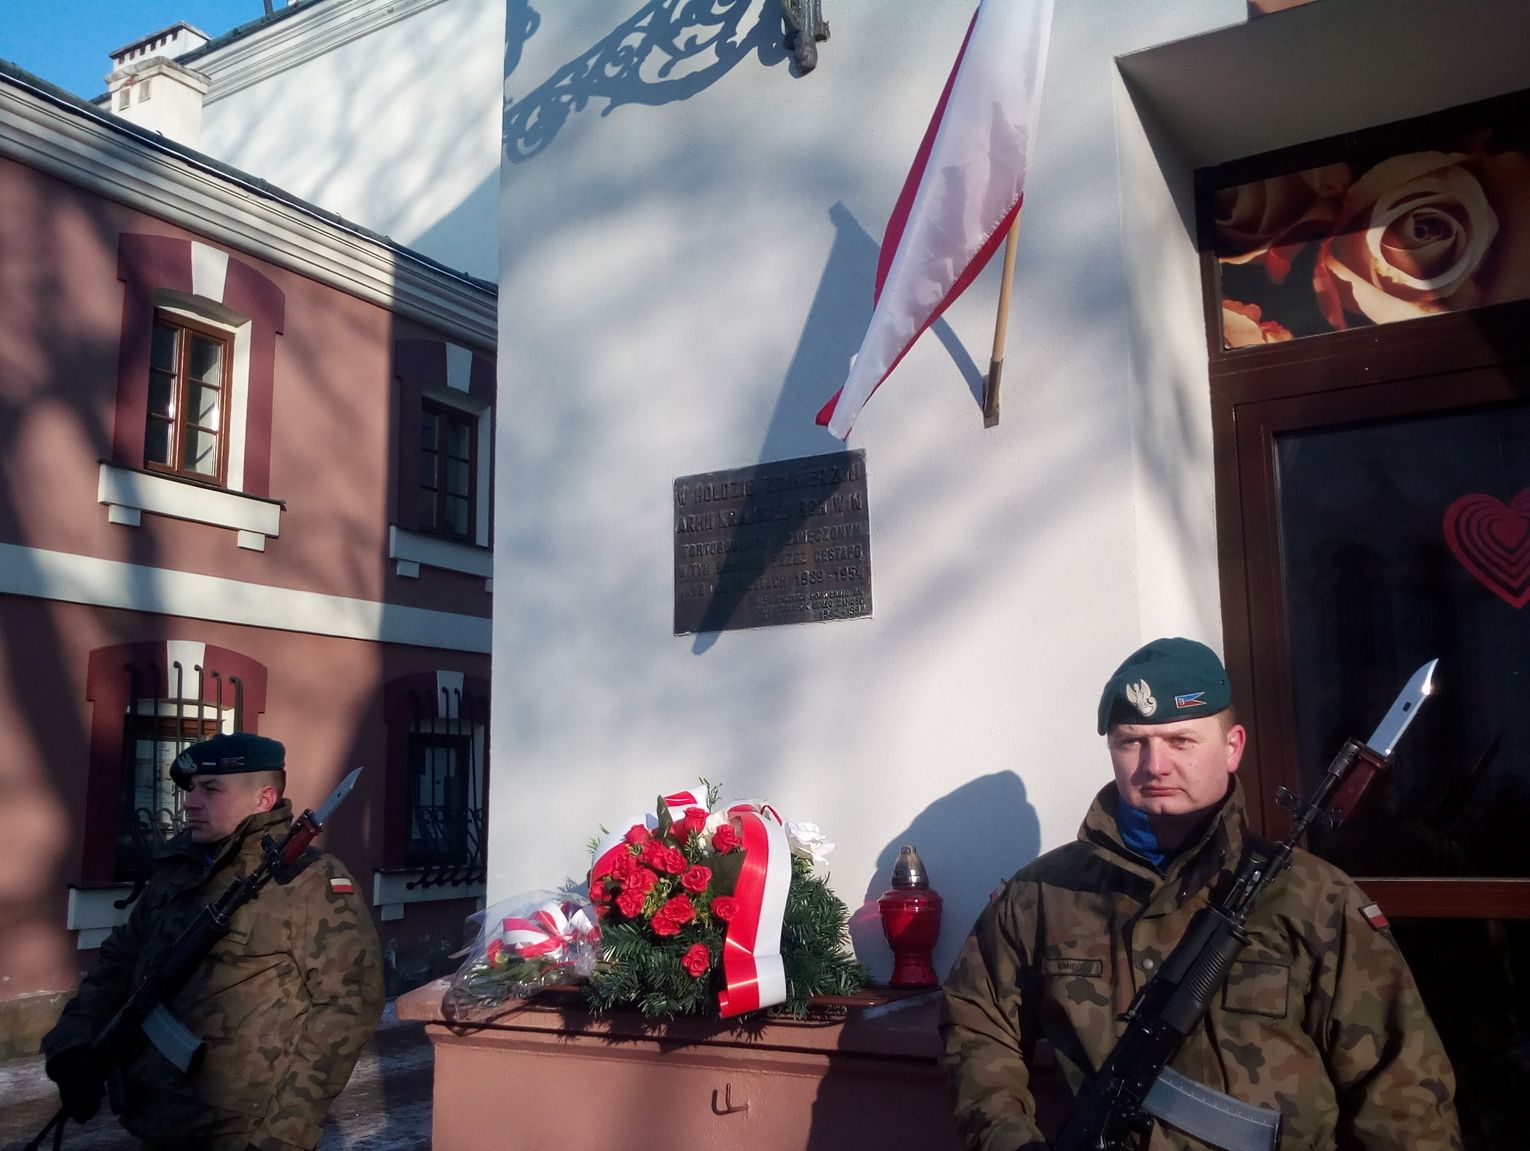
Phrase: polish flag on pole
x=961 y=195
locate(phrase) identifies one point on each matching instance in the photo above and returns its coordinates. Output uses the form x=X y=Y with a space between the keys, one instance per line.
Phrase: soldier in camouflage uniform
x=1319 y=1019
x=285 y=1001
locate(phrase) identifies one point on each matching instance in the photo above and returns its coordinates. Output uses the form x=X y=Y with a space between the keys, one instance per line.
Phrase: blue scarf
x=1137 y=834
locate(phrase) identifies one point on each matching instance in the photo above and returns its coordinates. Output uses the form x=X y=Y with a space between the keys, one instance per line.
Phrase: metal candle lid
x=909 y=871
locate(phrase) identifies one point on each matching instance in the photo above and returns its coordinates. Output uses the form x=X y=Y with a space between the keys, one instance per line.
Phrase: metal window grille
x=446 y=788
x=155 y=730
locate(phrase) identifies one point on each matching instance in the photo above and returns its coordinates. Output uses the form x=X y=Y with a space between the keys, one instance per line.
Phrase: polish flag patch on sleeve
x=344 y=886
x=1373 y=916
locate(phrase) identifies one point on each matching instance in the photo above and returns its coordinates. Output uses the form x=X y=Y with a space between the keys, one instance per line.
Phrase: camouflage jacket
x=1319 y=1018
x=286 y=1000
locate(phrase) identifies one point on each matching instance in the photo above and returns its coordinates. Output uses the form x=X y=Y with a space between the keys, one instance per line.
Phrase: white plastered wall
x=687 y=254
x=386 y=112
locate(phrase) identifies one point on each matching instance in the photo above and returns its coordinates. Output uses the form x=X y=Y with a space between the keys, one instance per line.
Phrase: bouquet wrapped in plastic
x=715 y=909
x=696 y=908
x=526 y=943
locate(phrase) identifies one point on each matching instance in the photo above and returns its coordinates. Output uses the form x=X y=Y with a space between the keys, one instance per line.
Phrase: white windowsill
x=391 y=890
x=412 y=550
x=91 y=913
x=128 y=493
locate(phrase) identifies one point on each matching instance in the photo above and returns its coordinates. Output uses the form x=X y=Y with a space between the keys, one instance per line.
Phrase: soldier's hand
x=81 y=1082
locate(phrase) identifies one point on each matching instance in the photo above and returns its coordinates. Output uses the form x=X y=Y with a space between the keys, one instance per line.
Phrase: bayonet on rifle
x=1136 y=1085
x=168 y=1034
x=145 y=1009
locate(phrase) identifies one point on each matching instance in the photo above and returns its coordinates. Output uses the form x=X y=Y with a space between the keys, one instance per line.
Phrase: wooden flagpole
x=1000 y=329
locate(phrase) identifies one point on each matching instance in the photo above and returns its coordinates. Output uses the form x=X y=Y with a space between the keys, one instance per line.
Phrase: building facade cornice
x=301 y=37
x=110 y=158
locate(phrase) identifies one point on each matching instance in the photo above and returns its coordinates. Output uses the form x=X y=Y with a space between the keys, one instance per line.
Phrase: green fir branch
x=642 y=972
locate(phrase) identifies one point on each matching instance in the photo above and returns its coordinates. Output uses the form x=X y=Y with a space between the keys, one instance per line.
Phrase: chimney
x=147 y=86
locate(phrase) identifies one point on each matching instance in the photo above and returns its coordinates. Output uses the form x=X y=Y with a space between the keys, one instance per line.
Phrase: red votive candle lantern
x=911 y=921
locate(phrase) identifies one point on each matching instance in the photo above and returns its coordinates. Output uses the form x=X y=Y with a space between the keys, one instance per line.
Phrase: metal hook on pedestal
x=727 y=1107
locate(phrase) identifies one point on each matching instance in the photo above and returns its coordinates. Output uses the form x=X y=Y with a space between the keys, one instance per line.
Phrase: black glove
x=81 y=1082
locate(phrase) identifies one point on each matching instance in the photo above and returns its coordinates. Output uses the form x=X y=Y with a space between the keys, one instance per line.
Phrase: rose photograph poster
x=1376 y=239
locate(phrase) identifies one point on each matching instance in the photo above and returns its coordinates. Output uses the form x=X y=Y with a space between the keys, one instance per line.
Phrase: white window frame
x=410 y=550
x=129 y=492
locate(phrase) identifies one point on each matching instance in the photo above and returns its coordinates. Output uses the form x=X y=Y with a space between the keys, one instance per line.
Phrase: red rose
x=696 y=879
x=697 y=960
x=724 y=907
x=653 y=854
x=673 y=861
x=637 y=834
x=623 y=865
x=598 y=892
x=695 y=818
x=643 y=880
x=664 y=925
x=678 y=908
x=630 y=902
x=492 y=952
x=724 y=839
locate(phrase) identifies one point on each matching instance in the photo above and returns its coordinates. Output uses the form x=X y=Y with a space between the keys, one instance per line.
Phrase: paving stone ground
x=385 y=1106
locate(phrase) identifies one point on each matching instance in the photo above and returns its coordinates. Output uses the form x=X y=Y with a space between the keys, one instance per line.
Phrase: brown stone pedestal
x=545 y=1074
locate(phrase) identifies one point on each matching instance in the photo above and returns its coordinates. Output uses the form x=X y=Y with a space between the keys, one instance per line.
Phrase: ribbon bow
x=553 y=929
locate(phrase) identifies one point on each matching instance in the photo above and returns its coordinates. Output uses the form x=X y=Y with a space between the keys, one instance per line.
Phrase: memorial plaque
x=783 y=542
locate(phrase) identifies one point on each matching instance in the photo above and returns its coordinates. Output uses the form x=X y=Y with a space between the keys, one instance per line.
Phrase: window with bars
x=446 y=789
x=440 y=769
x=187 y=422
x=155 y=730
x=447 y=470
x=151 y=803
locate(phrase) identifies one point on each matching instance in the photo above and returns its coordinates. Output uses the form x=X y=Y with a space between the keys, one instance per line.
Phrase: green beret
x=1166 y=681
x=227 y=755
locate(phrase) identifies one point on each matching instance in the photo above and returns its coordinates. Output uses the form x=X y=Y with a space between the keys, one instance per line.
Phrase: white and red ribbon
x=550 y=930
x=753 y=973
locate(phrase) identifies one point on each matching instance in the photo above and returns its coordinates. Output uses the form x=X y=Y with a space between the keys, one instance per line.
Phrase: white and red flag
x=961 y=195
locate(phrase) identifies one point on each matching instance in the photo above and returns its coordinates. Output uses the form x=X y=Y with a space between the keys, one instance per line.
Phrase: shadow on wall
x=53 y=342
x=818 y=366
x=989 y=826
x=829 y=342
x=668 y=50
x=473 y=250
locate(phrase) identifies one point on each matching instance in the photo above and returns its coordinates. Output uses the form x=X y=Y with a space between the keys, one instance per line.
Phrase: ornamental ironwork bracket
x=804 y=19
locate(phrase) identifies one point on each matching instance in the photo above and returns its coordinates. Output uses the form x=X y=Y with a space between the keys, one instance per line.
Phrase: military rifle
x=1117 y=1107
x=145 y=1008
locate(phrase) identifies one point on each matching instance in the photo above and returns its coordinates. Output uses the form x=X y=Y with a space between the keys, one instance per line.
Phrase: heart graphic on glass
x=1492 y=541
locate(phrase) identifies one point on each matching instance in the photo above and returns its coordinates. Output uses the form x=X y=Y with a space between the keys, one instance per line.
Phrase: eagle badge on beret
x=1141 y=697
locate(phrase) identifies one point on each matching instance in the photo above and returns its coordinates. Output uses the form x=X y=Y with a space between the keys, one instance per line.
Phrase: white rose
x=807 y=841
x=714 y=821
x=1415 y=239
